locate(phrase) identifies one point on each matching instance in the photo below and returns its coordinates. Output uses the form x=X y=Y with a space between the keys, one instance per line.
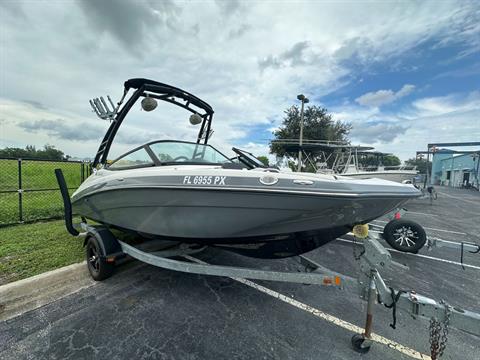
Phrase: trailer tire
x=405 y=235
x=98 y=267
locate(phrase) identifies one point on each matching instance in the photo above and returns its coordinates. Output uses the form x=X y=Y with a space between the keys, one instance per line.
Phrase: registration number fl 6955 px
x=204 y=180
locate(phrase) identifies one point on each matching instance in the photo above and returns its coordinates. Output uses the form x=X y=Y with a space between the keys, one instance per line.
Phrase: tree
x=13 y=153
x=366 y=160
x=50 y=153
x=264 y=160
x=391 y=160
x=421 y=165
x=30 y=152
x=318 y=125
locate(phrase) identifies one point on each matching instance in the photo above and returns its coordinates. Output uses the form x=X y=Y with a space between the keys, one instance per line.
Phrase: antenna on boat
x=100 y=107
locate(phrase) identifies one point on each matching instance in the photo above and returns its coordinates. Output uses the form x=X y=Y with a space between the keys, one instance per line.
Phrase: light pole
x=304 y=101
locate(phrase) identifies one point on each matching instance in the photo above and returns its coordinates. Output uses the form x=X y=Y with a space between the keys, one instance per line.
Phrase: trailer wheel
x=405 y=235
x=97 y=266
x=358 y=344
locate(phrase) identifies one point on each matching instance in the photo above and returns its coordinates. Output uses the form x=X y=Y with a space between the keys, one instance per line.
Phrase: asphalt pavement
x=144 y=312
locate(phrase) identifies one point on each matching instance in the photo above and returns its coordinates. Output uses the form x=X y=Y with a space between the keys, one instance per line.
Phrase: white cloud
x=60 y=54
x=405 y=90
x=446 y=104
x=20 y=119
x=379 y=132
x=454 y=117
x=382 y=97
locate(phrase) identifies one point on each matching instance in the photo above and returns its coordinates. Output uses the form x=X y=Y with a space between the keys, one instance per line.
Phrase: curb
x=28 y=294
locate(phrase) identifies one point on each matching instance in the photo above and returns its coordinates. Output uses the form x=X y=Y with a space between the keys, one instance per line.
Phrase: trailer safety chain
x=356 y=255
x=476 y=251
x=471 y=252
x=439 y=333
x=393 y=305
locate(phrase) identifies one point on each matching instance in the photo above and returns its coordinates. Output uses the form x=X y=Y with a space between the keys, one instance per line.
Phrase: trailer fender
x=109 y=245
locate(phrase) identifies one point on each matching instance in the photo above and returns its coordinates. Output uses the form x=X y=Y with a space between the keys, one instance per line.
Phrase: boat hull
x=261 y=224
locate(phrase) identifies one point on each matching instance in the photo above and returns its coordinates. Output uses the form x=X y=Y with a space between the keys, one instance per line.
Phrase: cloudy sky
x=403 y=73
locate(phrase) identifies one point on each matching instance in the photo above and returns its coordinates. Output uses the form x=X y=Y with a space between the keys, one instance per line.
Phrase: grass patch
x=36 y=175
x=8 y=208
x=31 y=249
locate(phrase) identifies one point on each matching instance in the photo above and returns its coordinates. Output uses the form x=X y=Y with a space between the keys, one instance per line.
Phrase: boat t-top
x=344 y=160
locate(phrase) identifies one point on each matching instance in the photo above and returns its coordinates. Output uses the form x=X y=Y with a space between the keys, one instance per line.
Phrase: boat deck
x=145 y=312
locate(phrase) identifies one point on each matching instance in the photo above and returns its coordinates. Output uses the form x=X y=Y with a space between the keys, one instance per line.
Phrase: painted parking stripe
x=447 y=231
x=419 y=213
x=327 y=317
x=458 y=198
x=422 y=256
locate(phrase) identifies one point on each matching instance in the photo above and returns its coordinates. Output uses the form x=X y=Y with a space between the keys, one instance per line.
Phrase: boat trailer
x=103 y=250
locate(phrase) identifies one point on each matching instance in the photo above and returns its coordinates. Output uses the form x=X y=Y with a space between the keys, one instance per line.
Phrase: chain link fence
x=29 y=189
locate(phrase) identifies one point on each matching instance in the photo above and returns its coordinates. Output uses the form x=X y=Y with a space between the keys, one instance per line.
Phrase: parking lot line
x=447 y=231
x=419 y=213
x=423 y=256
x=458 y=198
x=327 y=317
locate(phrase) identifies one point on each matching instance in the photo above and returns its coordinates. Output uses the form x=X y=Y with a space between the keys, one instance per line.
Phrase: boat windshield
x=169 y=153
x=179 y=152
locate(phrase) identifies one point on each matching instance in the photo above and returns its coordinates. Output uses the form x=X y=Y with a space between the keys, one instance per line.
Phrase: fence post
x=20 y=192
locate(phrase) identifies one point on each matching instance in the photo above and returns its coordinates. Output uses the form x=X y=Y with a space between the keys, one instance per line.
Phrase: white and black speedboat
x=191 y=192
x=344 y=160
